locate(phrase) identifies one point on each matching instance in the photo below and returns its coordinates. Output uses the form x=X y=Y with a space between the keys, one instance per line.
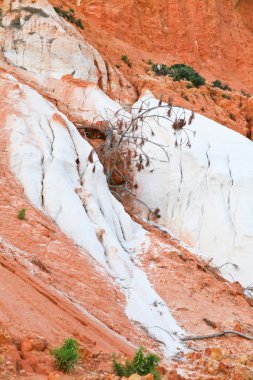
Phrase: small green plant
x=126 y=60
x=67 y=355
x=142 y=364
x=222 y=86
x=225 y=96
x=21 y=214
x=179 y=71
x=189 y=85
x=70 y=16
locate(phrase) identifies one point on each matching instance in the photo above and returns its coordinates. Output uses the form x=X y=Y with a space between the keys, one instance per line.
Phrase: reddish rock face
x=213 y=36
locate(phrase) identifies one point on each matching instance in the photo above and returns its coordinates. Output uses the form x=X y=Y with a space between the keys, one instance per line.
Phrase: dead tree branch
x=216 y=335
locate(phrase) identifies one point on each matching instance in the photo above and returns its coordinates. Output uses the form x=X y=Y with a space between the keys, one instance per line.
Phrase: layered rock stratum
x=80 y=263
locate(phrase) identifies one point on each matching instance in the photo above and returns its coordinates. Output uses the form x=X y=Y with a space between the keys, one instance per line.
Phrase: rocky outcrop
x=214 y=37
x=35 y=38
x=77 y=264
x=63 y=179
x=202 y=187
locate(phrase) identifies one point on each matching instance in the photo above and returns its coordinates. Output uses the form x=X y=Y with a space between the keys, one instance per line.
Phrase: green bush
x=222 y=86
x=126 y=60
x=67 y=355
x=142 y=364
x=225 y=96
x=161 y=69
x=178 y=72
x=21 y=214
x=70 y=16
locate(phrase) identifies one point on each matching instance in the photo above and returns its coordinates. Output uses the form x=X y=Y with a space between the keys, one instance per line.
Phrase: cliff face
x=216 y=37
x=213 y=37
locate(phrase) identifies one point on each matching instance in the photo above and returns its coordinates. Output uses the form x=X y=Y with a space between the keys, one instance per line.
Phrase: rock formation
x=73 y=261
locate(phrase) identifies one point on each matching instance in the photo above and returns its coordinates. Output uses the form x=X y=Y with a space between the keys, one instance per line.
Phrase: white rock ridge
x=35 y=38
x=50 y=159
x=204 y=193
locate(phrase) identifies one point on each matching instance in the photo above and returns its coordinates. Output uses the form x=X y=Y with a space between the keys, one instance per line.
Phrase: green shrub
x=222 y=86
x=126 y=60
x=178 y=72
x=161 y=69
x=67 y=355
x=70 y=16
x=142 y=364
x=21 y=214
x=185 y=72
x=79 y=23
x=225 y=96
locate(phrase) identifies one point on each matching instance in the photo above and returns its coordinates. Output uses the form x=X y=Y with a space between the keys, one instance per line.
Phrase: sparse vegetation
x=178 y=72
x=70 y=16
x=67 y=355
x=222 y=86
x=225 y=96
x=142 y=364
x=244 y=93
x=21 y=214
x=122 y=144
x=126 y=60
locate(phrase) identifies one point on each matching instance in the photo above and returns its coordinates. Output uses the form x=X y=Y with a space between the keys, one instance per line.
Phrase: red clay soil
x=51 y=289
x=200 y=299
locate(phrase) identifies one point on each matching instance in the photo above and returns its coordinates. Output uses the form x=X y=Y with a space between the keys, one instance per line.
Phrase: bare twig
x=216 y=335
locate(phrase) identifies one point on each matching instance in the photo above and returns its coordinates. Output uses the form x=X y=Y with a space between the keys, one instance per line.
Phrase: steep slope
x=104 y=278
x=202 y=186
x=50 y=158
x=198 y=33
x=59 y=266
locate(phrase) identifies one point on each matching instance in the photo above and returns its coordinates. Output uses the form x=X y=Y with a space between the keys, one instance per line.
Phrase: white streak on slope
x=50 y=159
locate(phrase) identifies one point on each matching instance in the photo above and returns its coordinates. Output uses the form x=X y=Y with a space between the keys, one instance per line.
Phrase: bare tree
x=123 y=137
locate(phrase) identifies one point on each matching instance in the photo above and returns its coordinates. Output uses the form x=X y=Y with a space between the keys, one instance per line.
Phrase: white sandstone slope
x=205 y=192
x=50 y=159
x=33 y=37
